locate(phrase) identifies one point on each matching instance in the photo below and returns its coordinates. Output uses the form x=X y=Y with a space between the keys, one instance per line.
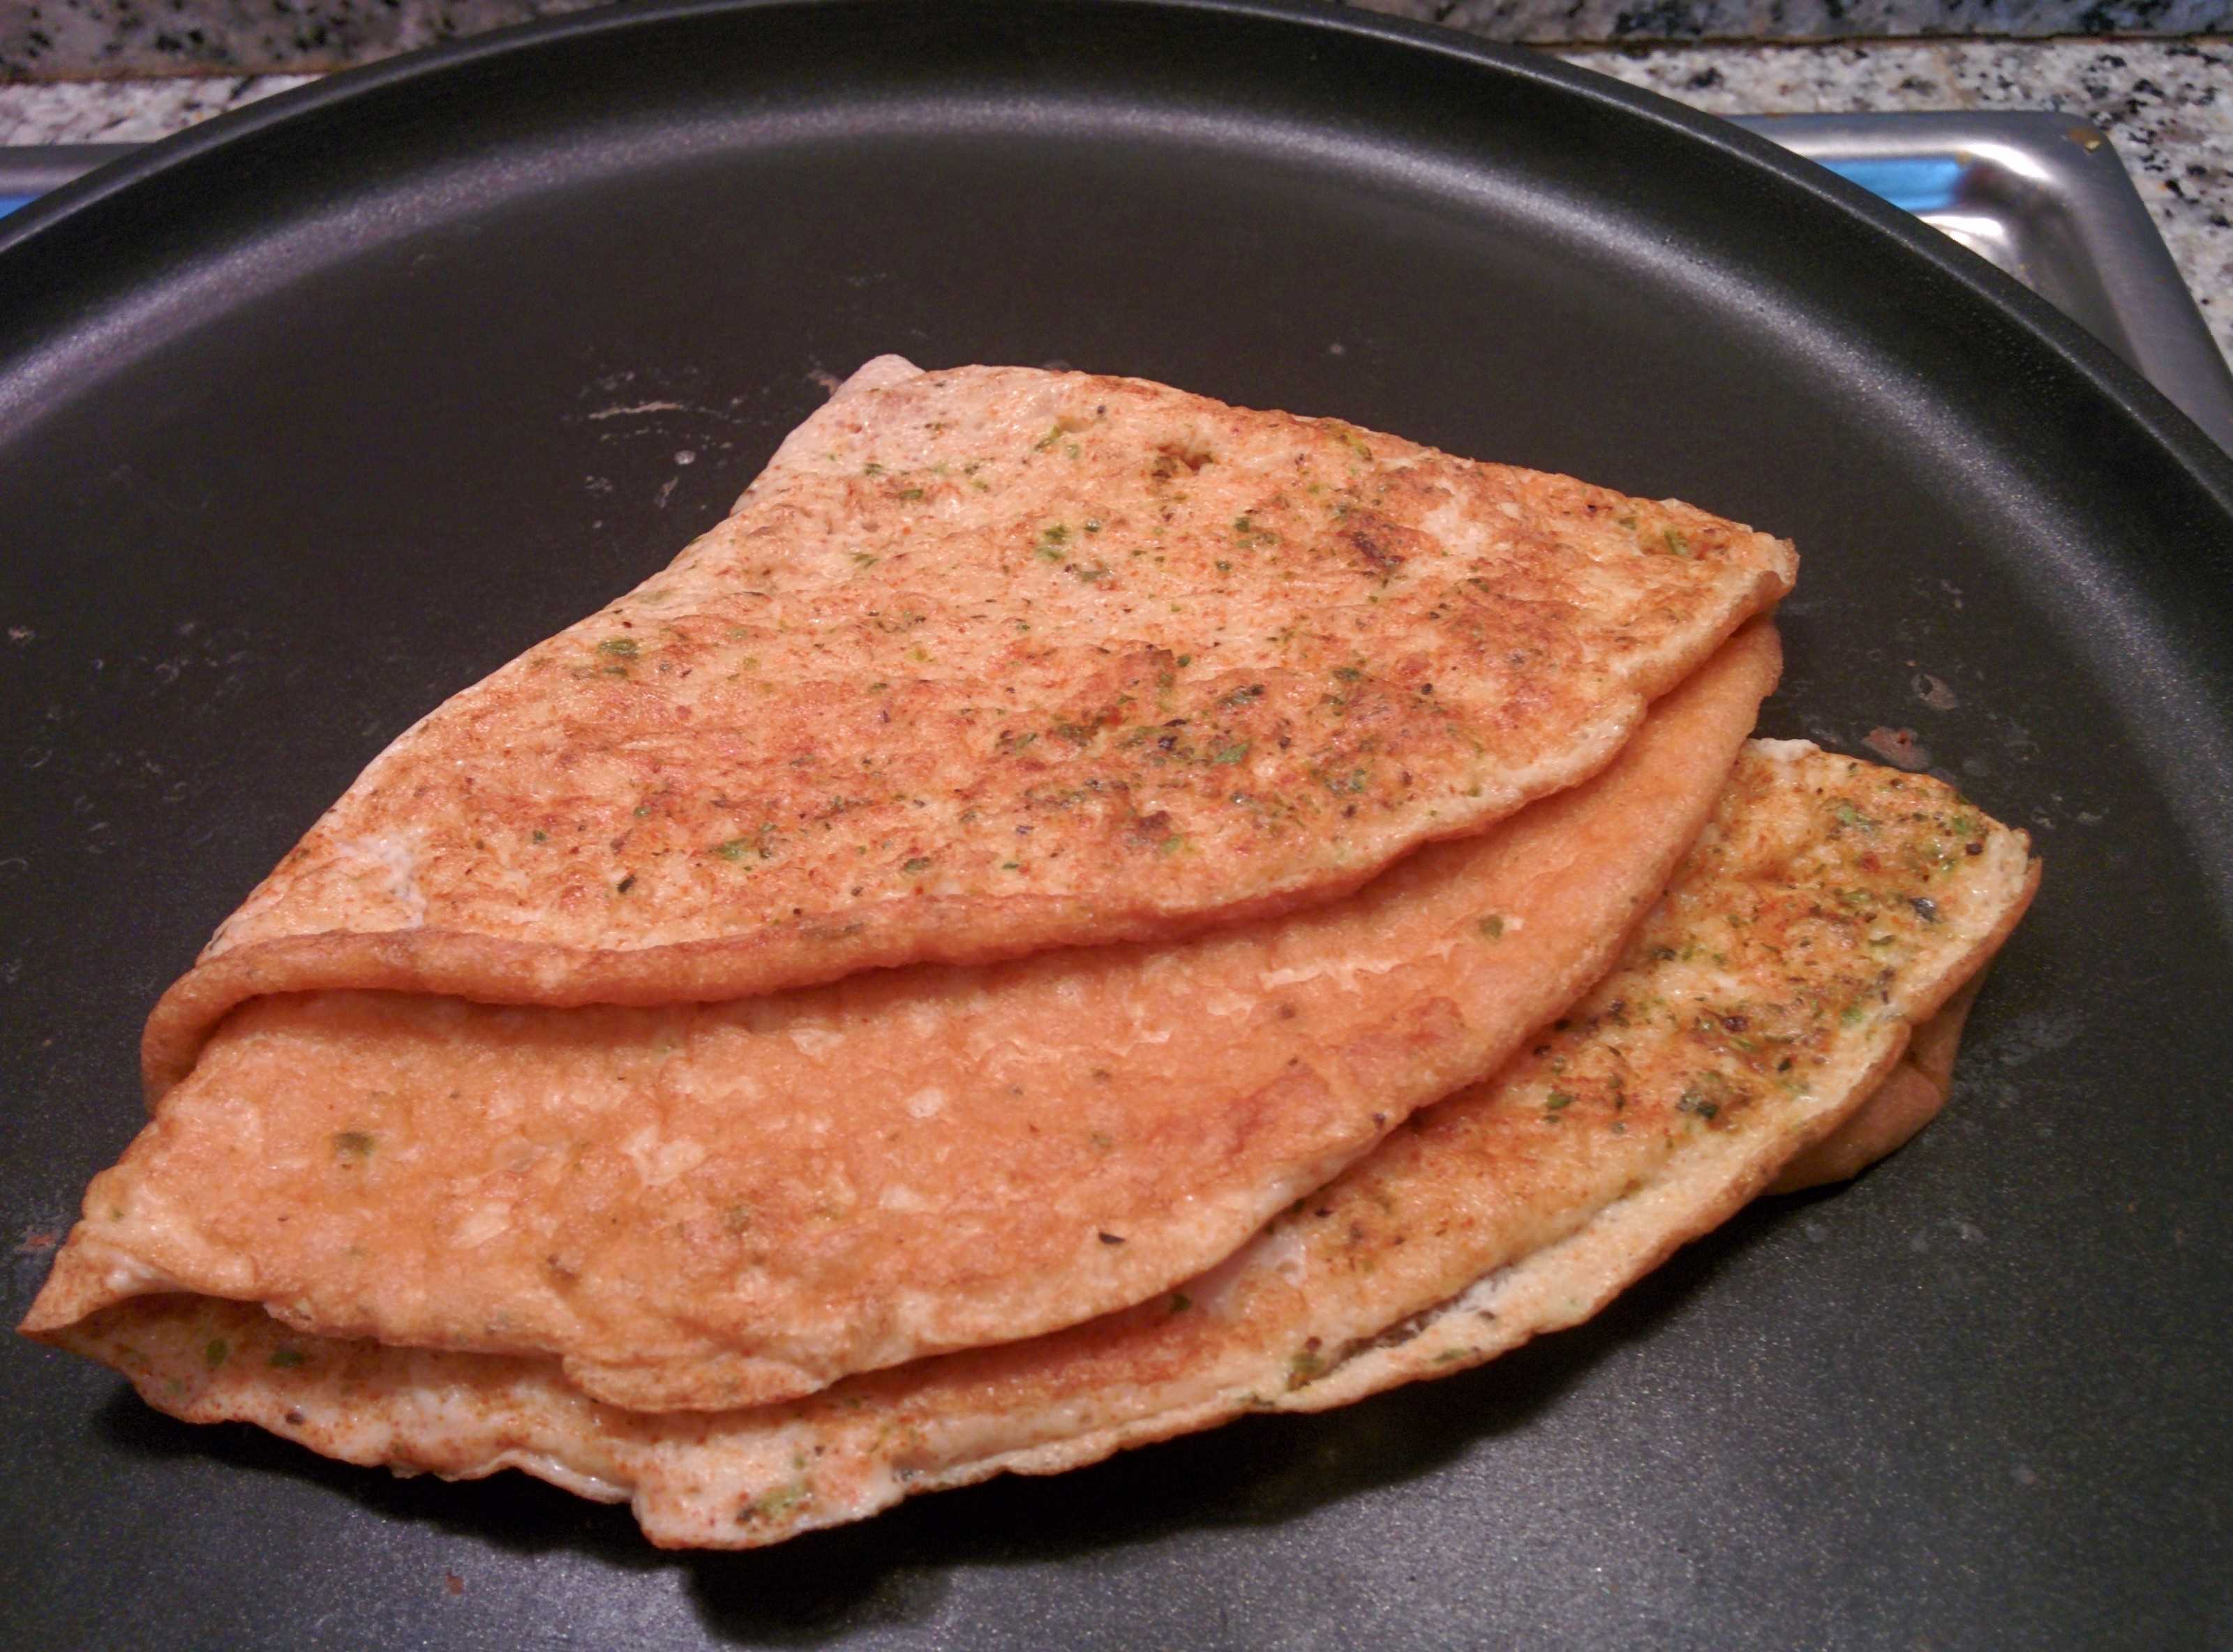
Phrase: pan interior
x=312 y=428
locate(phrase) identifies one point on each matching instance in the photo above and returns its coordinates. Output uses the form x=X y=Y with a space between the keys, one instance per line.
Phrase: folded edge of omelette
x=703 y=1206
x=988 y=660
x=1829 y=907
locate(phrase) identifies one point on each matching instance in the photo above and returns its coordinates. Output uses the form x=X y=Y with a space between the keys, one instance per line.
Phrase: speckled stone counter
x=2167 y=106
x=77 y=39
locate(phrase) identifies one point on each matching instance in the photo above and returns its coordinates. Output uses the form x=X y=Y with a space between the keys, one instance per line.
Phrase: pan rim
x=2106 y=375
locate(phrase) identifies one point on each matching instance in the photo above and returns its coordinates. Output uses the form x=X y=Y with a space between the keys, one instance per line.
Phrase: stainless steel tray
x=2042 y=195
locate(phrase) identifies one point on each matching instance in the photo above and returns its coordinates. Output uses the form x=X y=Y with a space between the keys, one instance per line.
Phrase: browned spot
x=1150 y=831
x=1374 y=542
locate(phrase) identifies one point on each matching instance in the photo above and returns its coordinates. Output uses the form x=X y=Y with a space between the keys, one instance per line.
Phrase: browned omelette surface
x=988 y=660
x=1829 y=905
x=708 y=1206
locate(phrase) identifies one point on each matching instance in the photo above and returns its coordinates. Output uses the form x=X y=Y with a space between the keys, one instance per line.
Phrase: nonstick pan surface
x=312 y=417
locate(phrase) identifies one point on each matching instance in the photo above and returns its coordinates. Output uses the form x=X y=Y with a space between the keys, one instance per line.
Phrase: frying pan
x=314 y=415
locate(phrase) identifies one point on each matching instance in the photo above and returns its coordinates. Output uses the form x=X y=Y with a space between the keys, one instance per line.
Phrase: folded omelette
x=881 y=1003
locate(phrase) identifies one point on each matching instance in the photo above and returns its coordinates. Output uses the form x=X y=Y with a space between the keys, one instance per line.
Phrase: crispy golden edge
x=1912 y=1095
x=1569 y=1282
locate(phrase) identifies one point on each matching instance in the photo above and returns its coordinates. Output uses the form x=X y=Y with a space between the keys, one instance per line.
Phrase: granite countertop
x=49 y=39
x=87 y=71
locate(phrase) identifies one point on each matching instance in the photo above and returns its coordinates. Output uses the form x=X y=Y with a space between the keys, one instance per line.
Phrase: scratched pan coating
x=297 y=436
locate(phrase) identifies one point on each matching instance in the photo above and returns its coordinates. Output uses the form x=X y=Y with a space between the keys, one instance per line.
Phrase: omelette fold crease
x=710 y=1206
x=1828 y=908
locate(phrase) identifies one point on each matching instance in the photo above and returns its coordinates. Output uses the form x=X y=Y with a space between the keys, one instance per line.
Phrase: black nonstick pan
x=310 y=417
